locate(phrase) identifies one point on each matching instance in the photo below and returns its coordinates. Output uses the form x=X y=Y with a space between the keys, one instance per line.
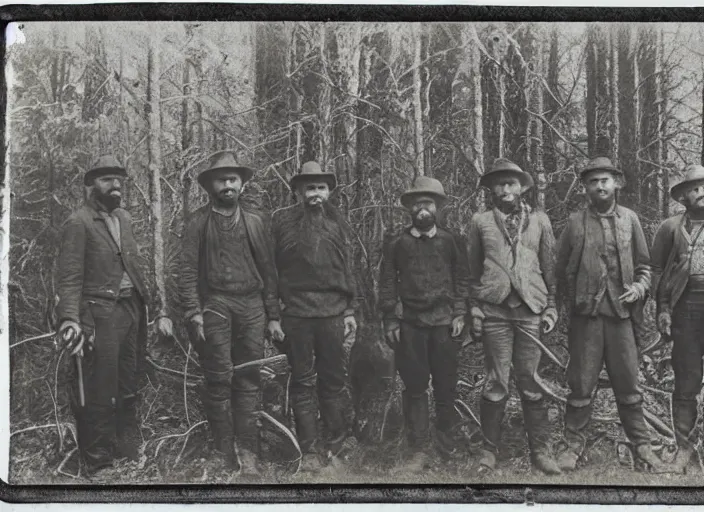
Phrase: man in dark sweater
x=313 y=251
x=228 y=290
x=425 y=268
x=511 y=257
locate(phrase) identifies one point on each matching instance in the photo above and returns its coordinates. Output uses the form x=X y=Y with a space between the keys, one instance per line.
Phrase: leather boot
x=417 y=416
x=574 y=442
x=638 y=433
x=684 y=420
x=129 y=436
x=646 y=461
x=491 y=415
x=535 y=417
x=219 y=415
x=246 y=423
x=96 y=437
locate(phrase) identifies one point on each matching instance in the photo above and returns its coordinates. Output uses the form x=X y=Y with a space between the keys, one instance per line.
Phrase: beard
x=423 y=220
x=696 y=207
x=225 y=200
x=108 y=200
x=602 y=202
x=507 y=207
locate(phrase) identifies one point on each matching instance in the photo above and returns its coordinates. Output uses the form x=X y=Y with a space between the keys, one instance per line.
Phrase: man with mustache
x=103 y=319
x=678 y=268
x=425 y=269
x=511 y=257
x=604 y=272
x=314 y=259
x=228 y=290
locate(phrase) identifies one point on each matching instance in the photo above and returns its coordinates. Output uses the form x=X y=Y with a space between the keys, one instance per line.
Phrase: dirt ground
x=175 y=447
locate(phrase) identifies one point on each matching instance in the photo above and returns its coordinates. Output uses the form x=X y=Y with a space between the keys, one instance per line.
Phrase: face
x=314 y=193
x=226 y=187
x=107 y=190
x=506 y=189
x=601 y=187
x=423 y=212
x=694 y=196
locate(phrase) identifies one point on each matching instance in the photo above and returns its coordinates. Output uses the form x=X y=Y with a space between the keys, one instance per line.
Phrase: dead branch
x=545 y=349
x=34 y=338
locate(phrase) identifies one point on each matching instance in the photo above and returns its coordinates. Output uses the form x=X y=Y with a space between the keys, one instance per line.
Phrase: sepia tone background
x=377 y=103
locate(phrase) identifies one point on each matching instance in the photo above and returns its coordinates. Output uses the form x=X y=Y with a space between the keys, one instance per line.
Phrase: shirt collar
x=612 y=212
x=416 y=233
x=226 y=213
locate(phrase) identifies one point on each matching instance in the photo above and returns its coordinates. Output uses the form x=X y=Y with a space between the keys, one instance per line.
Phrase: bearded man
x=425 y=269
x=103 y=318
x=678 y=267
x=228 y=290
x=511 y=259
x=604 y=266
x=314 y=259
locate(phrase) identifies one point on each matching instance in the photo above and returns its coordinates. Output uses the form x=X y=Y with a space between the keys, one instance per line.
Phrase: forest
x=376 y=103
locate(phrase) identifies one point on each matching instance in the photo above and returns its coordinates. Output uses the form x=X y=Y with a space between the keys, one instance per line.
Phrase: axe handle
x=81 y=389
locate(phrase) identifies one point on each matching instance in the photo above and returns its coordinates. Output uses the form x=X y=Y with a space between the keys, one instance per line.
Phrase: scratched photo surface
x=302 y=252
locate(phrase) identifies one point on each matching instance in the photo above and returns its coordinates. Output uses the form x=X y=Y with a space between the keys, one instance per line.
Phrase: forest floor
x=175 y=447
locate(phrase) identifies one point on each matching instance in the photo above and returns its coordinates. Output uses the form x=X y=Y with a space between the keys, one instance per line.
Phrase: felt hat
x=503 y=167
x=600 y=163
x=224 y=161
x=692 y=175
x=106 y=164
x=424 y=186
x=311 y=171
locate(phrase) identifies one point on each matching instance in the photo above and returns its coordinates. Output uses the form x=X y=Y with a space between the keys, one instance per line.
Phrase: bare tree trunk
x=185 y=140
x=324 y=106
x=615 y=126
x=664 y=84
x=349 y=48
x=628 y=114
x=536 y=132
x=154 y=147
x=417 y=106
x=550 y=102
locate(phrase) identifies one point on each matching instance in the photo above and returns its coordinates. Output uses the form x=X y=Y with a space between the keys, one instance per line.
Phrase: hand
x=72 y=337
x=665 y=323
x=392 y=333
x=633 y=293
x=198 y=321
x=549 y=319
x=275 y=331
x=165 y=326
x=350 y=332
x=477 y=323
x=457 y=325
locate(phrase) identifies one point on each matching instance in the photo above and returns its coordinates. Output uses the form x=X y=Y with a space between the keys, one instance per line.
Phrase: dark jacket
x=670 y=258
x=579 y=268
x=426 y=275
x=193 y=284
x=494 y=270
x=316 y=276
x=90 y=264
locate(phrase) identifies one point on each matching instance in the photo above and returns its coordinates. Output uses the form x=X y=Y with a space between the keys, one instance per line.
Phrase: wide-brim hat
x=224 y=161
x=504 y=167
x=424 y=186
x=692 y=175
x=600 y=163
x=311 y=171
x=106 y=164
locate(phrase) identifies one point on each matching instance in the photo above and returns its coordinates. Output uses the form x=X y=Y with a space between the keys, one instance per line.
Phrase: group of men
x=242 y=277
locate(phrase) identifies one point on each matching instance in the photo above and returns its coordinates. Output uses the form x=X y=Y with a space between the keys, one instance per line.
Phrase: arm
x=388 y=288
x=70 y=271
x=269 y=274
x=662 y=247
x=641 y=257
x=564 y=253
x=188 y=269
x=546 y=258
x=475 y=262
x=460 y=276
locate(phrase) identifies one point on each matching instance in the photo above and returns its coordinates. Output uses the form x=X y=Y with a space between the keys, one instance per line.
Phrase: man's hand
x=477 y=323
x=457 y=325
x=665 y=323
x=72 y=336
x=275 y=331
x=549 y=319
x=165 y=326
x=392 y=333
x=633 y=293
x=350 y=332
x=197 y=320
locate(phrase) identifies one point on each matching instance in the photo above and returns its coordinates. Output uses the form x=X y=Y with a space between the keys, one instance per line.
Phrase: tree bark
x=628 y=115
x=550 y=102
x=615 y=131
x=154 y=148
x=185 y=140
x=417 y=106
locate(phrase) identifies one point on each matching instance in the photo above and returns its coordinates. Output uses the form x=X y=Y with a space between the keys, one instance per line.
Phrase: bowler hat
x=224 y=161
x=600 y=163
x=311 y=171
x=424 y=186
x=503 y=167
x=692 y=174
x=106 y=164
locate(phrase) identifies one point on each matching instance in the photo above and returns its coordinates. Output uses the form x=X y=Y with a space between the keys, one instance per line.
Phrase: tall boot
x=96 y=436
x=417 y=419
x=219 y=415
x=638 y=433
x=576 y=421
x=684 y=420
x=535 y=417
x=491 y=416
x=245 y=416
x=129 y=436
